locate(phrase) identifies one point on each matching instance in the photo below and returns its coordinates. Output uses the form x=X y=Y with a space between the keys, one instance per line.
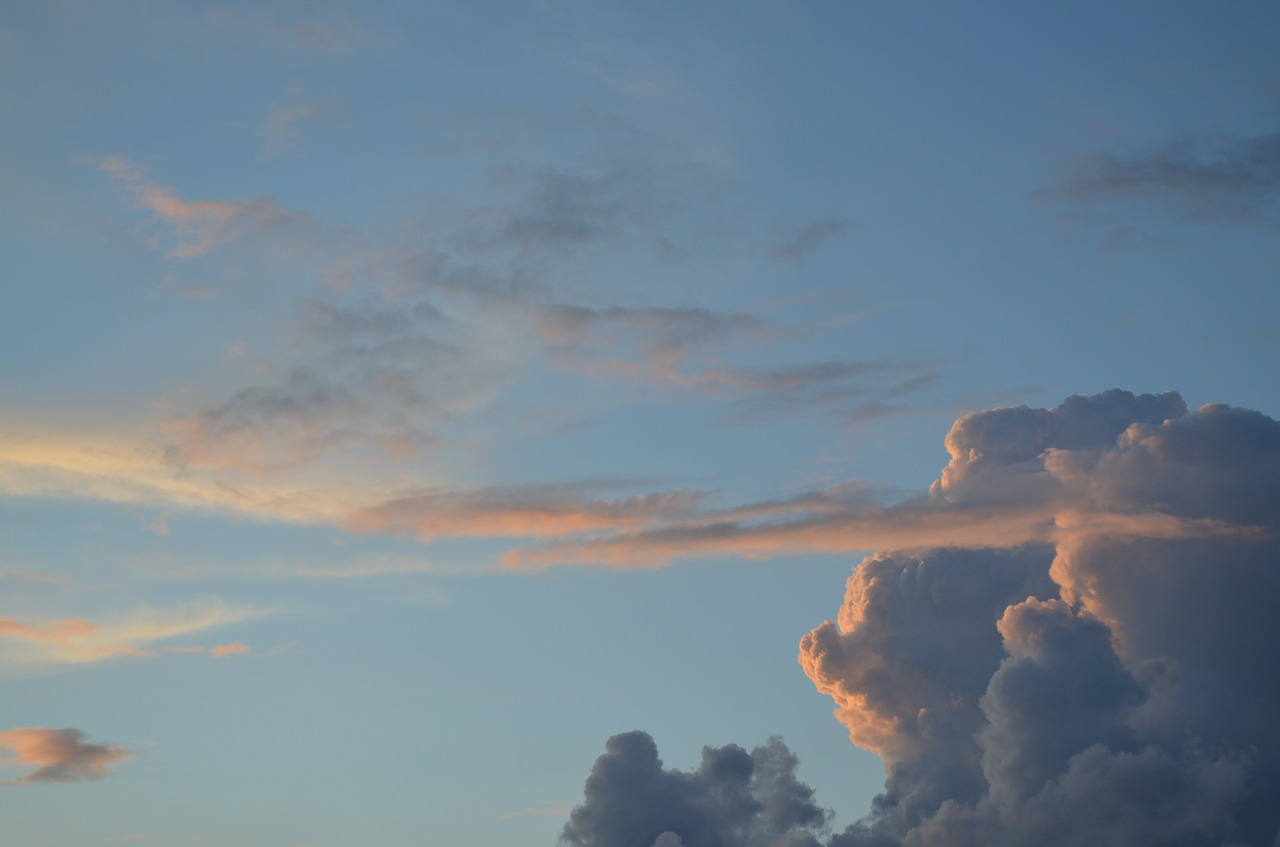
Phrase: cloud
x=235 y=648
x=127 y=472
x=659 y=337
x=371 y=378
x=516 y=511
x=807 y=239
x=58 y=755
x=683 y=347
x=1231 y=178
x=1010 y=481
x=733 y=798
x=1082 y=652
x=138 y=633
x=1098 y=687
x=197 y=225
x=284 y=124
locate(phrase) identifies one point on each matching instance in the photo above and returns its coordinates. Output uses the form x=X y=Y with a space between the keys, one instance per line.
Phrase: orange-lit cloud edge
x=572 y=524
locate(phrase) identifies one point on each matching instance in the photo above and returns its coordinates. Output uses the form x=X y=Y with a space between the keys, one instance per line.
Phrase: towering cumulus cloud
x=1109 y=680
x=1115 y=685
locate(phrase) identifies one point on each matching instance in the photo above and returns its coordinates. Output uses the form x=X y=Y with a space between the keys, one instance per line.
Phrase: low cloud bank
x=1111 y=682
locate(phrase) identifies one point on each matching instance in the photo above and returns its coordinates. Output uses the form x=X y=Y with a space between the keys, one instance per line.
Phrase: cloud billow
x=1109 y=679
x=733 y=799
x=1127 y=695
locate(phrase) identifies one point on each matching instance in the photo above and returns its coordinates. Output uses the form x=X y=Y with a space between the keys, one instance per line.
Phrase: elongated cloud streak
x=196 y=224
x=138 y=633
x=58 y=755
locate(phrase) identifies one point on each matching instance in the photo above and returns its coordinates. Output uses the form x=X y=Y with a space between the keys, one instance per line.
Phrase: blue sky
x=402 y=399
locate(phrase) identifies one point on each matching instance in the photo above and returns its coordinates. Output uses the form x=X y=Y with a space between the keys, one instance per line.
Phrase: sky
x=639 y=425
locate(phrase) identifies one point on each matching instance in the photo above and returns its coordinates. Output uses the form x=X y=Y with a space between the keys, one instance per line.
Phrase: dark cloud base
x=1113 y=686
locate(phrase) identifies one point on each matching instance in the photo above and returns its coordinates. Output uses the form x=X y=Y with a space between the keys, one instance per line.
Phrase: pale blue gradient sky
x=572 y=253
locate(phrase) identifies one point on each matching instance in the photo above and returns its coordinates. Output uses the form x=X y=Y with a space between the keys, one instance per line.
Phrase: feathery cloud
x=196 y=225
x=1232 y=178
x=139 y=633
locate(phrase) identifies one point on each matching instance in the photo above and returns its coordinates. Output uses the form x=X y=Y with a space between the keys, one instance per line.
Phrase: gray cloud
x=807 y=239
x=733 y=799
x=660 y=338
x=1235 y=178
x=674 y=346
x=373 y=378
x=1114 y=688
x=1108 y=679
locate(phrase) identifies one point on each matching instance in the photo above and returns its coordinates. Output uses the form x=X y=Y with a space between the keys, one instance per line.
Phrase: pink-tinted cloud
x=197 y=225
x=235 y=648
x=58 y=755
x=515 y=512
x=140 y=633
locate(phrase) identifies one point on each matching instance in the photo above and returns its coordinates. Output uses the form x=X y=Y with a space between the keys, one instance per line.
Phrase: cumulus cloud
x=1090 y=662
x=58 y=755
x=733 y=798
x=1098 y=687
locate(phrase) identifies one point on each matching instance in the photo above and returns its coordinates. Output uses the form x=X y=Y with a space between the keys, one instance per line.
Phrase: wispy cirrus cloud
x=234 y=648
x=196 y=226
x=286 y=122
x=58 y=755
x=380 y=378
x=686 y=348
x=806 y=239
x=650 y=343
x=529 y=511
x=1231 y=178
x=140 y=633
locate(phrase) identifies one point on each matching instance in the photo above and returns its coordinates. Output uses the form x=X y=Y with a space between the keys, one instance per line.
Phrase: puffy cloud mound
x=1114 y=685
x=1104 y=676
x=733 y=799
